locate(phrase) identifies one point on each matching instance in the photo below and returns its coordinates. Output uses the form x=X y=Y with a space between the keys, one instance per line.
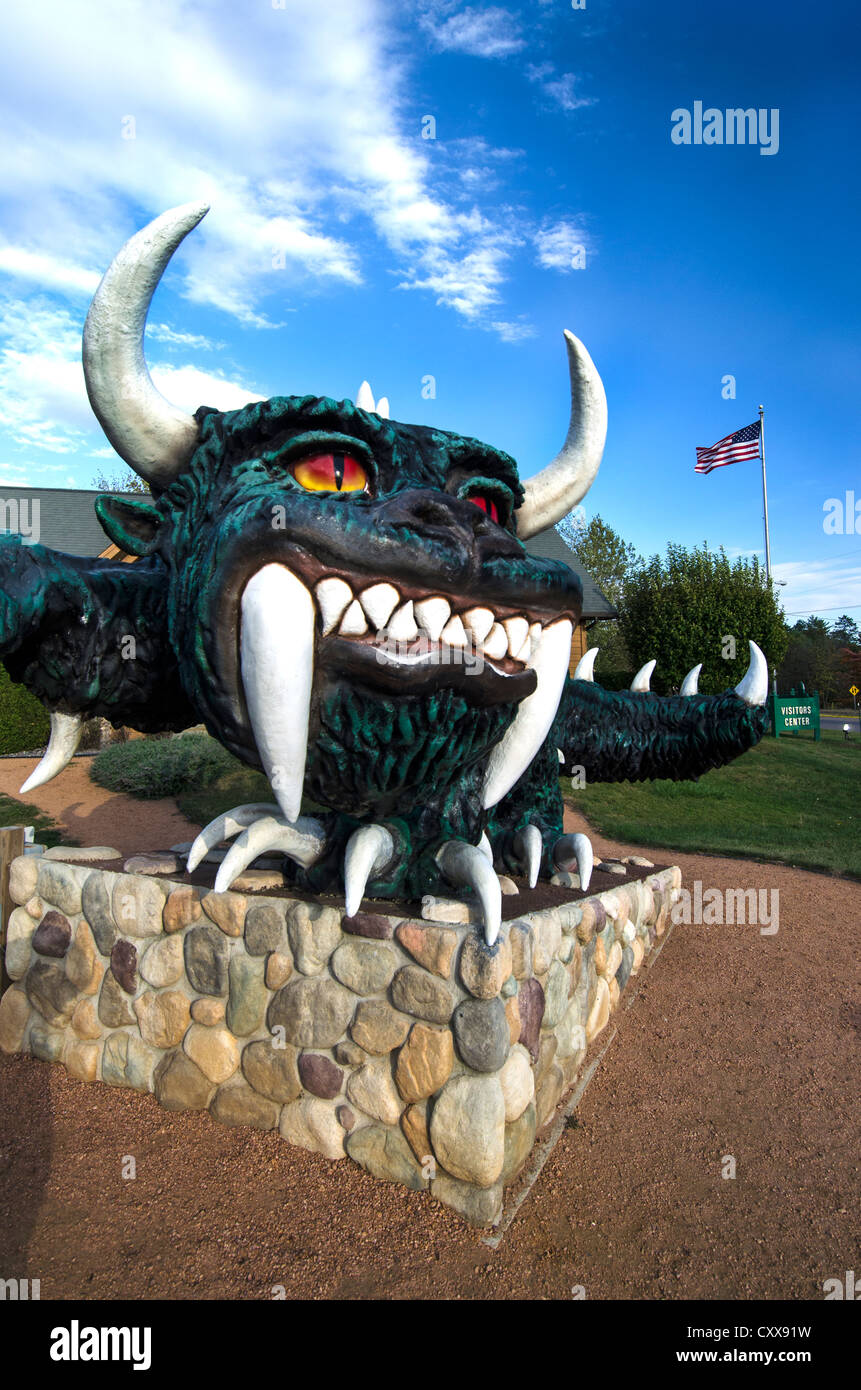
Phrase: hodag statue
x=345 y=602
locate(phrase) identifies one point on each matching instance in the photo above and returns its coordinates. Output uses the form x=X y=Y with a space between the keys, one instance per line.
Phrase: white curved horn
x=690 y=684
x=365 y=397
x=640 y=683
x=154 y=437
x=466 y=867
x=753 y=686
x=529 y=848
x=66 y=732
x=369 y=850
x=383 y=407
x=586 y=665
x=552 y=493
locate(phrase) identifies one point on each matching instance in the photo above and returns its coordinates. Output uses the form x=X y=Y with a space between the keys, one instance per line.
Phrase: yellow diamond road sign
x=853 y=690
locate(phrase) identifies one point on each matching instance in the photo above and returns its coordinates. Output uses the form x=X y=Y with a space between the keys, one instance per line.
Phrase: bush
x=24 y=722
x=152 y=767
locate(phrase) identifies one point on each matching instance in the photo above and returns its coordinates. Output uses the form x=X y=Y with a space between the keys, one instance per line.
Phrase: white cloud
x=47 y=271
x=558 y=244
x=559 y=89
x=163 y=333
x=482 y=33
x=43 y=400
x=819 y=586
x=291 y=122
x=515 y=332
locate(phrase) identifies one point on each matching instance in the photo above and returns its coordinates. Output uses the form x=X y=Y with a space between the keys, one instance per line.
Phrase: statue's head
x=351 y=602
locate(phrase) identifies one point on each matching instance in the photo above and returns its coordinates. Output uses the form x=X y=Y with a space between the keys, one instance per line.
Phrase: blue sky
x=342 y=244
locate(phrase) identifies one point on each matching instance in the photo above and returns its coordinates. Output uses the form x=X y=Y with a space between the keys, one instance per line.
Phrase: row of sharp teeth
x=278 y=619
x=378 y=609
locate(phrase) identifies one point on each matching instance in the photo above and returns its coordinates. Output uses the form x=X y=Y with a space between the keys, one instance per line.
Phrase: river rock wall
x=407 y=1045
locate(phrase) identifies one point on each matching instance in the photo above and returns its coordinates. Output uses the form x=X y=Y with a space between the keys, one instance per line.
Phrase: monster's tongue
x=277 y=655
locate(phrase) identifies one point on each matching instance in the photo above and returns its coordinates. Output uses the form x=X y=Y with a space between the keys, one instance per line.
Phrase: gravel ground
x=737 y=1044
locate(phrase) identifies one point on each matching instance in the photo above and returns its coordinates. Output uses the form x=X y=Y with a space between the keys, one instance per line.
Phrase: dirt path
x=738 y=1045
x=93 y=816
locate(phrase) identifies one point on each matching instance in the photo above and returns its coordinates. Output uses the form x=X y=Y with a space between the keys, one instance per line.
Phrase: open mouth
x=386 y=639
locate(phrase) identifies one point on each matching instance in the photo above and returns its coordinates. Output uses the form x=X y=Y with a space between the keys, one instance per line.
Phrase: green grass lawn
x=789 y=799
x=48 y=833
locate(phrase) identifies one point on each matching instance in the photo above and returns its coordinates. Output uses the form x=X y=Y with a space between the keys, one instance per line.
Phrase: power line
x=846 y=607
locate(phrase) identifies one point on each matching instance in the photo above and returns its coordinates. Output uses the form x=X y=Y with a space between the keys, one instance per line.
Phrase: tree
x=120 y=482
x=827 y=660
x=698 y=606
x=845 y=631
x=610 y=561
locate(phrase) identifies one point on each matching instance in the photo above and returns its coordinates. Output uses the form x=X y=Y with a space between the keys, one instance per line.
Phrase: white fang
x=519 y=744
x=65 y=736
x=277 y=655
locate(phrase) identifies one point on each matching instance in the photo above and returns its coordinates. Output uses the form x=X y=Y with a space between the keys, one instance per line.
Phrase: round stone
x=114 y=1006
x=366 y=967
x=424 y=1062
x=531 y=1004
x=238 y=1104
x=467 y=1129
x=214 y=1050
x=320 y=1076
x=279 y=968
x=60 y=885
x=14 y=1016
x=162 y=1018
x=180 y=1085
x=481 y=1033
x=23 y=874
x=81 y=854
x=208 y=1011
x=271 y=1070
x=226 y=910
x=124 y=965
x=432 y=947
x=50 y=992
x=137 y=905
x=416 y=992
x=96 y=903
x=162 y=963
x=313 y=1012
x=206 y=953
x=385 y=1153
x=157 y=862
x=313 y=1124
x=82 y=966
x=265 y=928
x=379 y=1028
x=53 y=935
x=555 y=994
x=479 y=1206
x=314 y=933
x=519 y=1138
x=484 y=969
x=248 y=994
x=84 y=1020
x=517 y=1082
x=181 y=909
x=373 y=1090
x=19 y=940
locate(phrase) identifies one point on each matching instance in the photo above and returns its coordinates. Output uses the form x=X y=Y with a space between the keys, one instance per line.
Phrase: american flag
x=734 y=448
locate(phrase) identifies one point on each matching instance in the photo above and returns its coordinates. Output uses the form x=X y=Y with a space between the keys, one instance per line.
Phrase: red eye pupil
x=487 y=505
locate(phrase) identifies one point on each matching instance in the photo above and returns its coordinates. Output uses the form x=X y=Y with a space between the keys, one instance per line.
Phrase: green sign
x=795 y=714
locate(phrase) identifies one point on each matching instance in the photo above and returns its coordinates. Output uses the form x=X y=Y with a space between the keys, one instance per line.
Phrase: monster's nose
x=431 y=513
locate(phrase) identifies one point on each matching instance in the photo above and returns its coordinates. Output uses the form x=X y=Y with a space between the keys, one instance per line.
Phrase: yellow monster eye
x=331 y=473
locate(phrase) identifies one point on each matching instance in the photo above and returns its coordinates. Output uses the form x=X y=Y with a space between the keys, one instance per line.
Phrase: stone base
x=410 y=1046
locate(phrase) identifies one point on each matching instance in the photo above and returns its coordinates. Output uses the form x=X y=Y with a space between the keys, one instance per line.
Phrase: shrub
x=152 y=767
x=24 y=722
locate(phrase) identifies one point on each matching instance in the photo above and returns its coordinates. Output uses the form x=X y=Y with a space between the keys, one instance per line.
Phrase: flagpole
x=764 y=495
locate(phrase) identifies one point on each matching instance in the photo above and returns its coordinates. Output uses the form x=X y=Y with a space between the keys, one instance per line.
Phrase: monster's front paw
x=261 y=828
x=470 y=866
x=568 y=852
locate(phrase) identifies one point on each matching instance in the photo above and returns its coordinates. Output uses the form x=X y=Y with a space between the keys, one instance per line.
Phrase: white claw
x=690 y=684
x=303 y=840
x=365 y=397
x=485 y=847
x=528 y=848
x=586 y=665
x=575 y=849
x=225 y=826
x=369 y=850
x=466 y=867
x=383 y=407
x=65 y=736
x=753 y=687
x=561 y=756
x=640 y=683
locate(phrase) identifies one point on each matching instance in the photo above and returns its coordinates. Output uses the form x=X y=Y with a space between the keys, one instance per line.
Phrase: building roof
x=65 y=520
x=549 y=545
